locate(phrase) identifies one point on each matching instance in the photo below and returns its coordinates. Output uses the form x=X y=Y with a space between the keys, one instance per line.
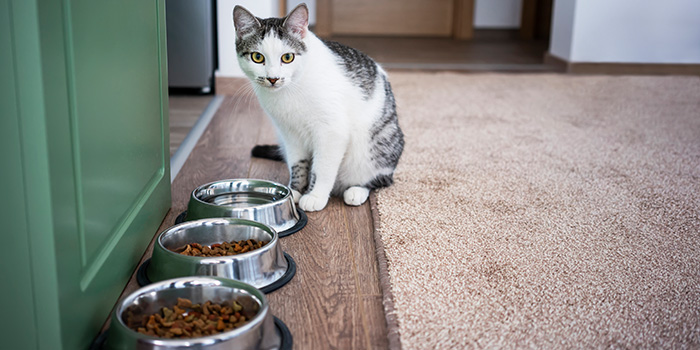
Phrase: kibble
x=221 y=249
x=187 y=320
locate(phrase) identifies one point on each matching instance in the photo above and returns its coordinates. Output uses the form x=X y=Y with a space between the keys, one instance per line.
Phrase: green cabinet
x=84 y=161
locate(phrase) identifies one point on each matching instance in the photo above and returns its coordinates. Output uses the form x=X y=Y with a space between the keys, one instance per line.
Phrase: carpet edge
x=384 y=282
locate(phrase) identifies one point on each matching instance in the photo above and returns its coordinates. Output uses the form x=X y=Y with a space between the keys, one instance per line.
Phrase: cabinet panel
x=118 y=148
x=84 y=89
x=15 y=262
x=113 y=83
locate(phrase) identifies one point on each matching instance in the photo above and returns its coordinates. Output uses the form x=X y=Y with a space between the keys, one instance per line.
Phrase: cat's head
x=271 y=51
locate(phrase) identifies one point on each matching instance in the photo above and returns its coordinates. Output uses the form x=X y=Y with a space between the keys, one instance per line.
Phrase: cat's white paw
x=296 y=195
x=312 y=202
x=355 y=195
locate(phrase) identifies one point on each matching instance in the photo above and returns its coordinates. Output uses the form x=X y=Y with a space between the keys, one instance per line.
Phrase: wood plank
x=322 y=254
x=486 y=47
x=322 y=324
x=392 y=17
x=376 y=322
x=324 y=286
x=463 y=27
x=324 y=18
x=361 y=237
x=184 y=111
x=282 y=4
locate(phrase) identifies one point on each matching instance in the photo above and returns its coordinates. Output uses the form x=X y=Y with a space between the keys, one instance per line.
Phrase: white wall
x=311 y=4
x=562 y=35
x=228 y=63
x=627 y=31
x=502 y=14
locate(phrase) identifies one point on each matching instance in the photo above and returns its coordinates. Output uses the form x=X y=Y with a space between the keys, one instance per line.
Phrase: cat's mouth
x=271 y=83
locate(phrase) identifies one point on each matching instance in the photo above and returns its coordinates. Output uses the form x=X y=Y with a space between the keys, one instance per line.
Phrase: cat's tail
x=272 y=152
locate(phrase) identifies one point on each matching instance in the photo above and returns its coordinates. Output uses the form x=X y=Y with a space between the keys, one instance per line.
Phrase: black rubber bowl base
x=284 y=333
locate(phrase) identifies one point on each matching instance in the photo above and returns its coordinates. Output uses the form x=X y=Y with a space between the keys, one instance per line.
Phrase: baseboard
x=620 y=68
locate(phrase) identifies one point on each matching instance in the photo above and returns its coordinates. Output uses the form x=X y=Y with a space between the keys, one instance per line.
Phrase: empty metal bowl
x=259 y=200
x=258 y=333
x=264 y=267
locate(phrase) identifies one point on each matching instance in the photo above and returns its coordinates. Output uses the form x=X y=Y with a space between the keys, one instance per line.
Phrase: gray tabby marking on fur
x=299 y=177
x=269 y=25
x=387 y=138
x=361 y=69
x=312 y=181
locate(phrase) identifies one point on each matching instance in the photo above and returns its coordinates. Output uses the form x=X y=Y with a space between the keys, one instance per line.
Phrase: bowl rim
x=212 y=260
x=271 y=204
x=201 y=281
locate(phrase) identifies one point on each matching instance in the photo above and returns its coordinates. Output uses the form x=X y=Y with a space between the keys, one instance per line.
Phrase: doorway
x=442 y=34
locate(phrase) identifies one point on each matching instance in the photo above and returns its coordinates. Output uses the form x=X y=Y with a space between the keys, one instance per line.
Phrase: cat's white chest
x=295 y=109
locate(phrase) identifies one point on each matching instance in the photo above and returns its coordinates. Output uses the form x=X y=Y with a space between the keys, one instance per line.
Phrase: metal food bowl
x=259 y=200
x=264 y=267
x=258 y=333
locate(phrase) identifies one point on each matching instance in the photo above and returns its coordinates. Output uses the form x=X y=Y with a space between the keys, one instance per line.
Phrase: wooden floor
x=334 y=300
x=185 y=110
x=492 y=50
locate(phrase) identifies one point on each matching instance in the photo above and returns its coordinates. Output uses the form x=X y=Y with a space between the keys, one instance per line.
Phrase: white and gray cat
x=332 y=106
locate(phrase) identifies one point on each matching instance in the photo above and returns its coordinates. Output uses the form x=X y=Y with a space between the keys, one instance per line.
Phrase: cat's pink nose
x=272 y=80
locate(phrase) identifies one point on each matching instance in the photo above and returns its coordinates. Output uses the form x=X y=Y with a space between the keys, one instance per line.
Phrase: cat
x=332 y=107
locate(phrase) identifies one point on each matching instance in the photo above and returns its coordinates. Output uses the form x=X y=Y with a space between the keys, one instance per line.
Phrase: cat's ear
x=297 y=22
x=244 y=21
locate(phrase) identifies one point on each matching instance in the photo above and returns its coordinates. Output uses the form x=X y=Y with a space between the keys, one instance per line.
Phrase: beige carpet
x=544 y=211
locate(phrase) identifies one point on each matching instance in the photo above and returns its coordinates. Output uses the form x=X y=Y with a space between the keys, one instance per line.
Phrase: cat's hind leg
x=355 y=195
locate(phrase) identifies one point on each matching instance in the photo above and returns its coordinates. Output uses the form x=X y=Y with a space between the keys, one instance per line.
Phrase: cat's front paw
x=312 y=202
x=355 y=195
x=296 y=195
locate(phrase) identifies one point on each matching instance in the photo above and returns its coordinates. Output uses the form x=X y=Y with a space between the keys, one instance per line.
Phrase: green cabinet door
x=85 y=160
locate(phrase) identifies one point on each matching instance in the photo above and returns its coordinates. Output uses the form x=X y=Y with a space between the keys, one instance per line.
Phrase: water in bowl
x=242 y=199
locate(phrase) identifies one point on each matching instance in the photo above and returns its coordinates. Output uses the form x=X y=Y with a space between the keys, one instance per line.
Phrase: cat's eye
x=257 y=57
x=288 y=57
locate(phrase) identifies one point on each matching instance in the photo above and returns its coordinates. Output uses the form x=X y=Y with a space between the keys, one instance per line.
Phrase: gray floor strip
x=178 y=159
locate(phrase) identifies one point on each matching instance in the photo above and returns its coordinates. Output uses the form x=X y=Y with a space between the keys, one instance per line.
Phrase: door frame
x=536 y=19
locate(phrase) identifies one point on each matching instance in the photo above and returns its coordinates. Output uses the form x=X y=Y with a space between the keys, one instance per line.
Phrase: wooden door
x=437 y=18
x=393 y=17
x=84 y=113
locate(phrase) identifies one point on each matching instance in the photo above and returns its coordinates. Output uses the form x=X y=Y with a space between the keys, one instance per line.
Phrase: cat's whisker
x=244 y=91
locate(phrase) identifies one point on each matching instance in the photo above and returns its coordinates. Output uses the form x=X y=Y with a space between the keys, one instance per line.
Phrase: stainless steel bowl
x=258 y=333
x=259 y=200
x=261 y=267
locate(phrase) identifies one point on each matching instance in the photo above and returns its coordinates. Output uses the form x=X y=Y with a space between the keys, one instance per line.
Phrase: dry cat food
x=187 y=320
x=222 y=249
